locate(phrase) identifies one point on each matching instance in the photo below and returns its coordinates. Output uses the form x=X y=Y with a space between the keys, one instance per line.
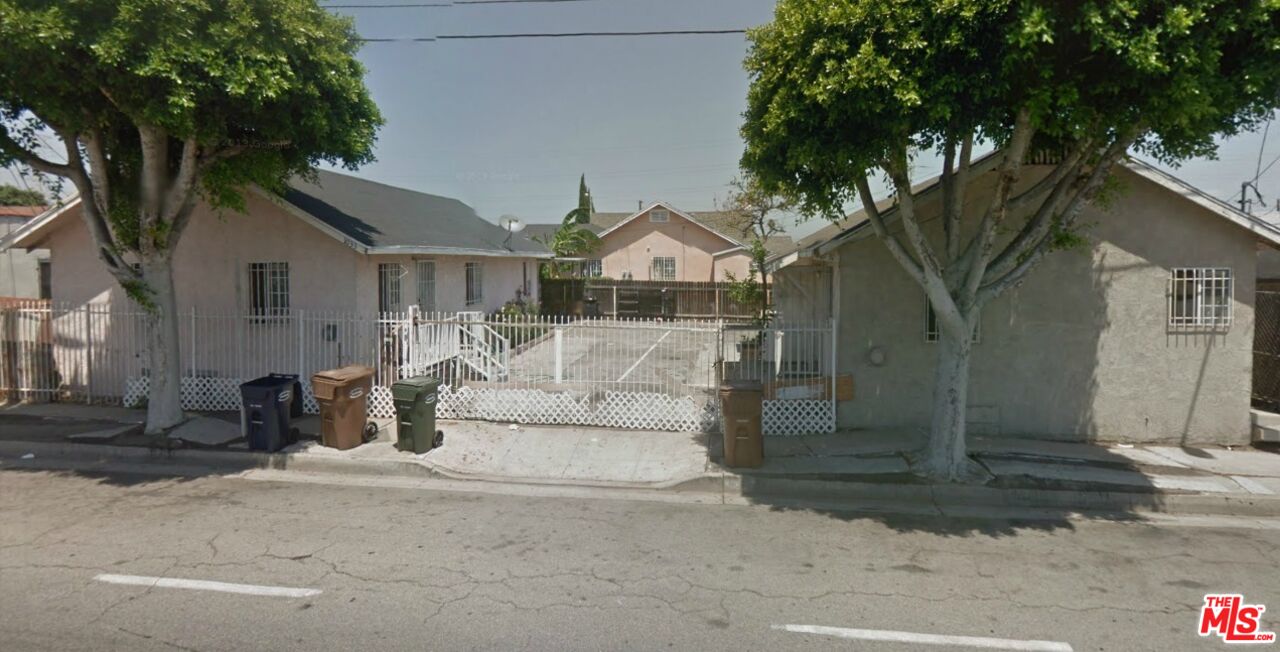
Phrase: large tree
x=845 y=91
x=151 y=106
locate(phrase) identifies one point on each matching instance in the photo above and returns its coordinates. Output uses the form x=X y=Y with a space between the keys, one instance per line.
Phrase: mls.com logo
x=1227 y=616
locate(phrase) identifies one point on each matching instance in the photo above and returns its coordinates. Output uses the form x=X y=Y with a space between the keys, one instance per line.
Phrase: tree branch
x=1100 y=173
x=183 y=184
x=953 y=200
x=99 y=172
x=1034 y=230
x=155 y=176
x=94 y=219
x=890 y=240
x=31 y=159
x=1015 y=153
x=897 y=169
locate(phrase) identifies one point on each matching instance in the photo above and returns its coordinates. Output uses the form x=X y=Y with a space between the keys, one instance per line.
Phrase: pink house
x=663 y=243
x=339 y=244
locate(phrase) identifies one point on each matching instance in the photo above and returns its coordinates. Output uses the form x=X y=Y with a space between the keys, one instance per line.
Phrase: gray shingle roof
x=377 y=216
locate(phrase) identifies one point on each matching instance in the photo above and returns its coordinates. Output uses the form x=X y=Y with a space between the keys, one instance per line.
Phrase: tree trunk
x=164 y=396
x=946 y=457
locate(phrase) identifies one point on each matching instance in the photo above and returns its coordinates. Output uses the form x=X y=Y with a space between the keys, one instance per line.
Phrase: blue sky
x=508 y=125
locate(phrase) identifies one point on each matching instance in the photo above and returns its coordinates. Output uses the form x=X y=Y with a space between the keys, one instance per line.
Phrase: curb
x=944 y=498
x=726 y=487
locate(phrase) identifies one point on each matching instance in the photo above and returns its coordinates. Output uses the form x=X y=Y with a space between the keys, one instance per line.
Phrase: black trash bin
x=295 y=406
x=590 y=307
x=264 y=412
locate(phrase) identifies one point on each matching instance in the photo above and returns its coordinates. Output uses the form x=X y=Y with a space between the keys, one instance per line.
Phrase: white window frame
x=269 y=289
x=660 y=216
x=474 y=274
x=664 y=276
x=932 y=329
x=1200 y=298
x=390 y=290
x=593 y=268
x=425 y=273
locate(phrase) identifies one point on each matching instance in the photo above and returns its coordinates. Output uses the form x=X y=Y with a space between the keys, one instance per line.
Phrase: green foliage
x=837 y=87
x=267 y=88
x=744 y=291
x=141 y=294
x=15 y=196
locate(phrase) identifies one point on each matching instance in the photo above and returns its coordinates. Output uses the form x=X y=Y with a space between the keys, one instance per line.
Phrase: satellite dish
x=511 y=224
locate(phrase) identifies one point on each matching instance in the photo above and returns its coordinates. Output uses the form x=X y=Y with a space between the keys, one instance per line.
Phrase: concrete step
x=1266 y=426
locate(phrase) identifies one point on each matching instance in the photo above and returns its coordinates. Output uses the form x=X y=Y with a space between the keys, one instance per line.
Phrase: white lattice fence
x=634 y=410
x=223 y=395
x=799 y=417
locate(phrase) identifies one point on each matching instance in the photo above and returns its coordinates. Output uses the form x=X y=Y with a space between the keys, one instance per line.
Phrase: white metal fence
x=641 y=374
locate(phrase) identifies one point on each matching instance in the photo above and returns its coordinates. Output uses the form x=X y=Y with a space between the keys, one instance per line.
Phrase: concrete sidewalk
x=862 y=470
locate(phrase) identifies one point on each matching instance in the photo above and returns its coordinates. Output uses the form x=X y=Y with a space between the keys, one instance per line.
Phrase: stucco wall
x=1081 y=350
x=632 y=246
x=502 y=279
x=19 y=270
x=211 y=266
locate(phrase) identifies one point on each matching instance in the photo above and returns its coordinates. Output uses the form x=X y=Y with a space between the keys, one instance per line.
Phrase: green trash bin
x=415 y=401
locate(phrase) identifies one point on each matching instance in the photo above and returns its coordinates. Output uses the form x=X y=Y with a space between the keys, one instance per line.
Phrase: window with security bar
x=475 y=283
x=663 y=268
x=269 y=289
x=1200 y=298
x=931 y=331
x=593 y=268
x=389 y=296
x=426 y=284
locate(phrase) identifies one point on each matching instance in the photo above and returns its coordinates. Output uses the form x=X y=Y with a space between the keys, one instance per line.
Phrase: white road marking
x=207 y=585
x=928 y=639
x=646 y=354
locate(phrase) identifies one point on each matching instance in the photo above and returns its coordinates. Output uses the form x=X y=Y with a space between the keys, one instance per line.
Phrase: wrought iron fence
x=629 y=373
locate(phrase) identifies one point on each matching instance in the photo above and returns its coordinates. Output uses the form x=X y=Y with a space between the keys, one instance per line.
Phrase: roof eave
x=28 y=234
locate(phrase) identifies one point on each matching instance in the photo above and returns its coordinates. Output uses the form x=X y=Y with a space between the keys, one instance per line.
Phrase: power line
x=546 y=35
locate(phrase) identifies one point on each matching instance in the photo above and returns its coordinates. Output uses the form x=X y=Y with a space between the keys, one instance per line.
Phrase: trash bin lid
x=420 y=382
x=271 y=381
x=409 y=389
x=344 y=374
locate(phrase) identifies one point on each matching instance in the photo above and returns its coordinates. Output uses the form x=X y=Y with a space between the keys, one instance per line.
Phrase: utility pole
x=1245 y=202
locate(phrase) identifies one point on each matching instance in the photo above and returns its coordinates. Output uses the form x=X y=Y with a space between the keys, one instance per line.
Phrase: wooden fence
x=642 y=299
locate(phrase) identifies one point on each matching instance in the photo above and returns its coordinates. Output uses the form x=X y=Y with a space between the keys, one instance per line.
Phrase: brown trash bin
x=742 y=405
x=343 y=395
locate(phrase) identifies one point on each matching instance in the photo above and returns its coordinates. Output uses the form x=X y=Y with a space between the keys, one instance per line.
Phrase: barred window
x=475 y=283
x=1200 y=297
x=931 y=331
x=663 y=268
x=426 y=284
x=389 y=296
x=593 y=269
x=269 y=289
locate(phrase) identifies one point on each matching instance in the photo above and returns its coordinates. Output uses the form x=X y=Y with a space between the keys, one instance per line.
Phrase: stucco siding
x=1082 y=349
x=212 y=259
x=630 y=248
x=19 y=270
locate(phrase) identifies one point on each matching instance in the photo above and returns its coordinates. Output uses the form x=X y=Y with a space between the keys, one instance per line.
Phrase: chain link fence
x=1266 y=352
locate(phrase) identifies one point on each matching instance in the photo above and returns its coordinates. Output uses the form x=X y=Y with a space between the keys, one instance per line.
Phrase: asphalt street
x=134 y=562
